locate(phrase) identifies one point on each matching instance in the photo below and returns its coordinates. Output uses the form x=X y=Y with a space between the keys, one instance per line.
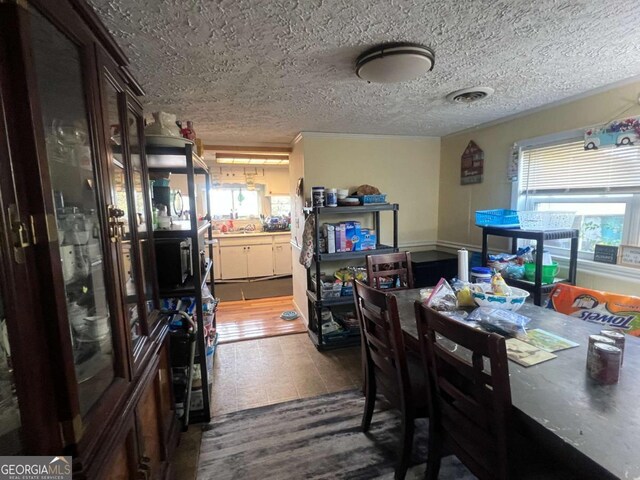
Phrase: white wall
x=405 y=168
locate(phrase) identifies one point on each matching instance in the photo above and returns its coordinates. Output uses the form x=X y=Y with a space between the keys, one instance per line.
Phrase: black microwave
x=174 y=261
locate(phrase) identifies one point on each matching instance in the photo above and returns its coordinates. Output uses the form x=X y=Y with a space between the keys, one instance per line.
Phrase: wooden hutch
x=84 y=365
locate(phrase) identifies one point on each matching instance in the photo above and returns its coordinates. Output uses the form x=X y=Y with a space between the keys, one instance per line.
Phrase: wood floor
x=252 y=319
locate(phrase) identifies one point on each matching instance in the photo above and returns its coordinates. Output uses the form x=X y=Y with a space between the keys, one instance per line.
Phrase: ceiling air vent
x=469 y=95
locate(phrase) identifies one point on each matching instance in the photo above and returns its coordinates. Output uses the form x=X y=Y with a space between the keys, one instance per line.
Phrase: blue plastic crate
x=372 y=199
x=497 y=218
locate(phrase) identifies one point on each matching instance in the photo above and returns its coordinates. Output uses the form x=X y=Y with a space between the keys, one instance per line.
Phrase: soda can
x=617 y=337
x=593 y=339
x=605 y=364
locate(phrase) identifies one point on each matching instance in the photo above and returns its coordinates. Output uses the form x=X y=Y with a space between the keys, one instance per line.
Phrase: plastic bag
x=443 y=298
x=500 y=320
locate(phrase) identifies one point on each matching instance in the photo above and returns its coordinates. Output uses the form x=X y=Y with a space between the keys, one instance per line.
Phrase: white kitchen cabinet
x=217 y=270
x=253 y=256
x=260 y=260
x=282 y=259
x=233 y=262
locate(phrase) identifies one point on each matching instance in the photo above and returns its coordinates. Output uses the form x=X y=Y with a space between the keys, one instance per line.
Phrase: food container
x=342 y=193
x=618 y=338
x=593 y=339
x=604 y=366
x=512 y=302
x=317 y=195
x=332 y=197
x=480 y=275
x=549 y=272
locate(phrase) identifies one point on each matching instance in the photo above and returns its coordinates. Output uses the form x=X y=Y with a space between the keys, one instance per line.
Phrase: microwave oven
x=174 y=261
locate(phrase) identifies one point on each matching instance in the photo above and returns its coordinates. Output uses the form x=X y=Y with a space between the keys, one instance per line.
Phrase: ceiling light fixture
x=395 y=62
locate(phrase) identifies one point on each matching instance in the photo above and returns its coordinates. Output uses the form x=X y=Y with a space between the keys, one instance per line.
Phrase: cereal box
x=611 y=310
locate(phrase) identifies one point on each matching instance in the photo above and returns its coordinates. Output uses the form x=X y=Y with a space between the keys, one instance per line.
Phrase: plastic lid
x=601 y=339
x=611 y=334
x=481 y=270
x=607 y=348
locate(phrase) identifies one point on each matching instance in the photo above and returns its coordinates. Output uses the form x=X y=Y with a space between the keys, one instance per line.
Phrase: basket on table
x=539 y=220
x=497 y=218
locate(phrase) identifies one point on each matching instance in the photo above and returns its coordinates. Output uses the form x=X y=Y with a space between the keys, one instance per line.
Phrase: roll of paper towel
x=463 y=265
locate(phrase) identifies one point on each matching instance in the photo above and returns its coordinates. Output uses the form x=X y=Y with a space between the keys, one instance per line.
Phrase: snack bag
x=611 y=310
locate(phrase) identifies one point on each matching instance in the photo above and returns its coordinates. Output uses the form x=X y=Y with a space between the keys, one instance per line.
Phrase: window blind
x=569 y=168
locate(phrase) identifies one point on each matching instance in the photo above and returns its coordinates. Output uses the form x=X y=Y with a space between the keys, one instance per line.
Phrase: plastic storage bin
x=497 y=218
x=330 y=289
x=373 y=199
x=538 y=220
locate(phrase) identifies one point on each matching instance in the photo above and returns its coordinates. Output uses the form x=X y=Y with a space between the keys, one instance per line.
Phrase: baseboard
x=299 y=310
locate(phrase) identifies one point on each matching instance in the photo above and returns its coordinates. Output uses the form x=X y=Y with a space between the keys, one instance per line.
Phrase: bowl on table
x=512 y=302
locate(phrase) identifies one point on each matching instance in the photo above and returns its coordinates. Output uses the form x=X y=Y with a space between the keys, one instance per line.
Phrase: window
x=242 y=202
x=601 y=185
x=280 y=205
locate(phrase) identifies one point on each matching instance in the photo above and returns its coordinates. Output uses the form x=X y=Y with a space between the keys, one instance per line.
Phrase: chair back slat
x=383 y=345
x=394 y=265
x=472 y=397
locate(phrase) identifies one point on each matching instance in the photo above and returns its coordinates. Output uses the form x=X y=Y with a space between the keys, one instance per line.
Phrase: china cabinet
x=84 y=367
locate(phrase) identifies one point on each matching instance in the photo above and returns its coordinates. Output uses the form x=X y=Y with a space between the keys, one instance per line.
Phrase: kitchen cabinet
x=259 y=260
x=233 y=262
x=81 y=336
x=282 y=258
x=254 y=255
x=216 y=261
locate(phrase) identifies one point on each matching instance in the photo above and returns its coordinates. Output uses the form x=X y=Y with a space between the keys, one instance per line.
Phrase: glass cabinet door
x=125 y=218
x=142 y=201
x=74 y=187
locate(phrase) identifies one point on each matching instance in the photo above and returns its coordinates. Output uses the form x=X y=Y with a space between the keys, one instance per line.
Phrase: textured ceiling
x=264 y=70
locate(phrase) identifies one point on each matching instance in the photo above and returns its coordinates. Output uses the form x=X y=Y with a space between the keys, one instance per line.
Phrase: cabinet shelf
x=537 y=288
x=382 y=207
x=329 y=302
x=180 y=232
x=328 y=257
x=183 y=160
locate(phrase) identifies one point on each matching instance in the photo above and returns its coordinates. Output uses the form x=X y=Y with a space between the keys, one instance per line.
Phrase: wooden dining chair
x=389 y=370
x=395 y=266
x=470 y=409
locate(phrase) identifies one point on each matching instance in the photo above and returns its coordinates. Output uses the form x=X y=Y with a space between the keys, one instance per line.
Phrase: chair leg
x=369 y=402
x=406 y=446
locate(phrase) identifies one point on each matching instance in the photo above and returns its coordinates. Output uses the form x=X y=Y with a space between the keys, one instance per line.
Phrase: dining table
x=594 y=428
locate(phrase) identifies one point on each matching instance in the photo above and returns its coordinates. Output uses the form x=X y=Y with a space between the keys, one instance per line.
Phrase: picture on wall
x=472 y=164
x=614 y=134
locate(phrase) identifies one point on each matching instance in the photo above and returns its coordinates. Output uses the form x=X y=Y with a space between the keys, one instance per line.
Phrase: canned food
x=593 y=339
x=605 y=364
x=618 y=338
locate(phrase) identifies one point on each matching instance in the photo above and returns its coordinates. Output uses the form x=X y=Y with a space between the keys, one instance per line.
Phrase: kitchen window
x=280 y=205
x=236 y=201
x=602 y=186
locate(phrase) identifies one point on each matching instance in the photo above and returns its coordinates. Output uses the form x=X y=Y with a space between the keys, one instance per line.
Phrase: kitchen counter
x=254 y=234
